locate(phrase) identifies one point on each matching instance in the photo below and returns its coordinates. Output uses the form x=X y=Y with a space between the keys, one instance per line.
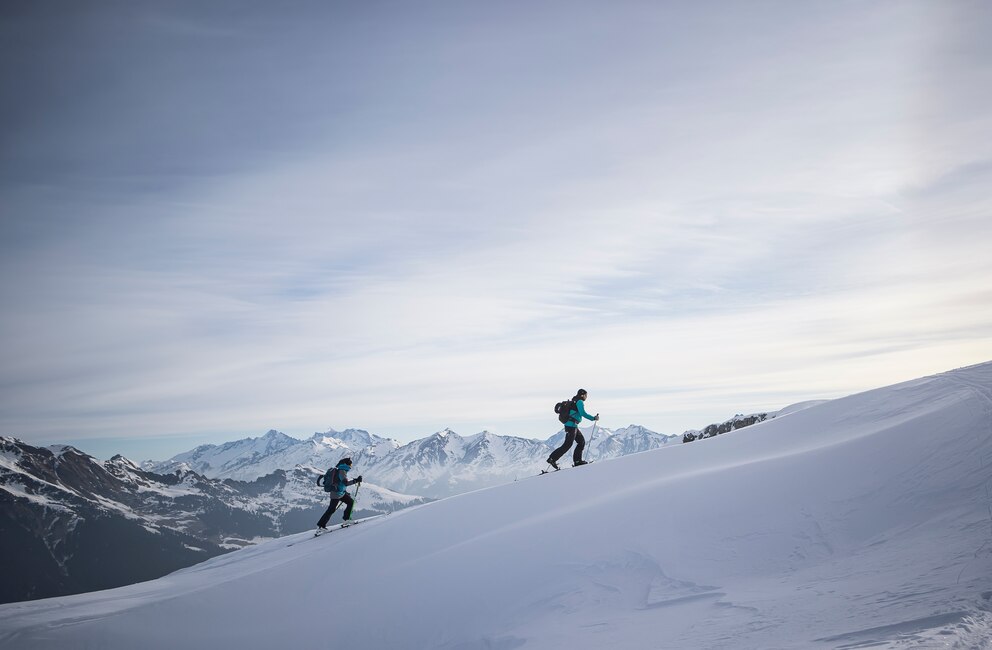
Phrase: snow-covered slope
x=862 y=522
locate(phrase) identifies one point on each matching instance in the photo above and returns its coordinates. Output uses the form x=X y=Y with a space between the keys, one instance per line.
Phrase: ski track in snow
x=864 y=522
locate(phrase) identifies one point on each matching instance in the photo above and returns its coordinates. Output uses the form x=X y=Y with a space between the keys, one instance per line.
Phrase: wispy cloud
x=412 y=220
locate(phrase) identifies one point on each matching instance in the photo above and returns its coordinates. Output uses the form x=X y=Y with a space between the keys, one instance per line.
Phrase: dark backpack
x=564 y=410
x=330 y=480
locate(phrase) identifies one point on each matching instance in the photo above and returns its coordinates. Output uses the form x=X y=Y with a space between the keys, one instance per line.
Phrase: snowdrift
x=863 y=521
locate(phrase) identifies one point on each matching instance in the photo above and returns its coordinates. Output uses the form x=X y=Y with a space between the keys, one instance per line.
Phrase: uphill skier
x=335 y=482
x=576 y=410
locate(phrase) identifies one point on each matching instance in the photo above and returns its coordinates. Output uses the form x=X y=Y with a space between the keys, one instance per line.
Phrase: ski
x=345 y=524
x=552 y=471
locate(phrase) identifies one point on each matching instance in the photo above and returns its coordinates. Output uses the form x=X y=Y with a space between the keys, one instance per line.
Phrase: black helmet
x=346 y=461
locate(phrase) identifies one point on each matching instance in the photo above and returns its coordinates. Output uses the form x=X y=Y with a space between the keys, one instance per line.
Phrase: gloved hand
x=597 y=417
x=359 y=479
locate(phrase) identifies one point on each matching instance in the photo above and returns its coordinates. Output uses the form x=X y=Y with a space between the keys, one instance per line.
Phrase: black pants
x=572 y=434
x=346 y=500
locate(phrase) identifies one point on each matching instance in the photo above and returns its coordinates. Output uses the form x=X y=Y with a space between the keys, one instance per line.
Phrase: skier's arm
x=580 y=405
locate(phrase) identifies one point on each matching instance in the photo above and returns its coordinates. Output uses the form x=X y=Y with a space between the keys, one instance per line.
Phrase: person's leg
x=580 y=444
x=327 y=513
x=350 y=503
x=569 y=438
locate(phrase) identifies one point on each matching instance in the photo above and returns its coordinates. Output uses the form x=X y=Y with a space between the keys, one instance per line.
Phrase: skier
x=572 y=433
x=338 y=477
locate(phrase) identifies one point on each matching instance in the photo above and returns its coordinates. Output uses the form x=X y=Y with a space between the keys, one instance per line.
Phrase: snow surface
x=801 y=406
x=861 y=522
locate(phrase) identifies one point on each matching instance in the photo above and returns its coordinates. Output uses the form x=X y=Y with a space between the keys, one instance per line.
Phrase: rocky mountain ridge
x=77 y=524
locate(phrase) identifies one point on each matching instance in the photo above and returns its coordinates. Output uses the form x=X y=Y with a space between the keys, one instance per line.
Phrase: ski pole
x=354 y=505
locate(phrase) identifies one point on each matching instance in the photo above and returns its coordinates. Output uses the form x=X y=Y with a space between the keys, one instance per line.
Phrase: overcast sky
x=224 y=217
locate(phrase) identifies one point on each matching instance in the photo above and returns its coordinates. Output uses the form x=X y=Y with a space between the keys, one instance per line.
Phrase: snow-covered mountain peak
x=325 y=440
x=632 y=429
x=482 y=439
x=182 y=469
x=123 y=461
x=276 y=440
x=62 y=450
x=355 y=440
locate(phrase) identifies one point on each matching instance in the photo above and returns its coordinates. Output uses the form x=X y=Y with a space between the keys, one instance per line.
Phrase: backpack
x=330 y=480
x=564 y=410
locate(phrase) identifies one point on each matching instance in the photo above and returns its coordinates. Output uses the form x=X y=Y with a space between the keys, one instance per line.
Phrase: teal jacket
x=579 y=412
x=339 y=480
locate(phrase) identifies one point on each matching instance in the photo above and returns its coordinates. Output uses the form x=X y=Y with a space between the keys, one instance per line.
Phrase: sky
x=222 y=218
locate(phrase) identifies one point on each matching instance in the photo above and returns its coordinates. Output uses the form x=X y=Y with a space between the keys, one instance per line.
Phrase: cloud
x=250 y=224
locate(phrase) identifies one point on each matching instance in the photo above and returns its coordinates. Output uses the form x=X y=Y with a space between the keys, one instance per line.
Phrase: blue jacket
x=579 y=412
x=342 y=480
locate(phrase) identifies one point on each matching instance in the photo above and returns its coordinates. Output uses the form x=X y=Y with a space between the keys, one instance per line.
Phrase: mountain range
x=66 y=514
x=78 y=524
x=439 y=465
